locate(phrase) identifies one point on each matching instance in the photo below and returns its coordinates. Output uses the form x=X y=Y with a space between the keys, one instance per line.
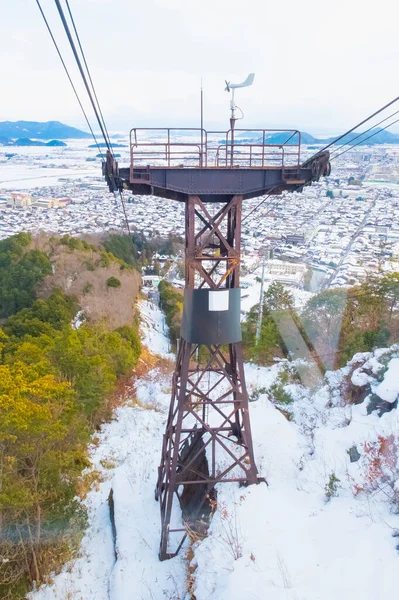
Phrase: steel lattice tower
x=208 y=415
x=208 y=434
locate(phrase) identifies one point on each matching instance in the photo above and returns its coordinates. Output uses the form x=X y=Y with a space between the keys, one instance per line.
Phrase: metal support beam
x=208 y=434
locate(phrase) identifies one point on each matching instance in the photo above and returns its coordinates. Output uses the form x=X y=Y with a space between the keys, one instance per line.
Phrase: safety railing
x=188 y=148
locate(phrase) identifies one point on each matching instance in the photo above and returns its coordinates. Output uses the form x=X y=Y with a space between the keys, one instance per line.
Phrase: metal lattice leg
x=208 y=435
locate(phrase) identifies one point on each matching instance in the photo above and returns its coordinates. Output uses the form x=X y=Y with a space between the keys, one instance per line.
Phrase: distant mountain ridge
x=379 y=136
x=55 y=130
x=29 y=142
x=10 y=130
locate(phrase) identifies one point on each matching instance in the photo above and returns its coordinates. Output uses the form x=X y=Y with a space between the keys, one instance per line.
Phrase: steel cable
x=68 y=75
x=356 y=126
x=88 y=73
x=364 y=132
x=257 y=206
x=367 y=138
x=104 y=128
x=79 y=64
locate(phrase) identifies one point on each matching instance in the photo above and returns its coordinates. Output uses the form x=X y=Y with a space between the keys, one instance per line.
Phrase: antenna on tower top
x=231 y=87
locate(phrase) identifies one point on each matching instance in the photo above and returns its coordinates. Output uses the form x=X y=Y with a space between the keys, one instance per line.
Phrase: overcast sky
x=319 y=66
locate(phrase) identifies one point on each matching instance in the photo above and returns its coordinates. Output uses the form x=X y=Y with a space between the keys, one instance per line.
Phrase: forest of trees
x=56 y=385
x=334 y=324
x=20 y=270
x=341 y=322
x=138 y=250
x=276 y=302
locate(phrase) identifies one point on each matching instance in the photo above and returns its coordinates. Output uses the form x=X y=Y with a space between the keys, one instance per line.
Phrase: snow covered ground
x=154 y=329
x=294 y=541
x=36 y=166
x=321 y=529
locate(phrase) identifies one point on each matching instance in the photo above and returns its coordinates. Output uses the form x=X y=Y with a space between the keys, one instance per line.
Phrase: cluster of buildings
x=83 y=206
x=339 y=229
x=345 y=227
x=25 y=200
x=290 y=273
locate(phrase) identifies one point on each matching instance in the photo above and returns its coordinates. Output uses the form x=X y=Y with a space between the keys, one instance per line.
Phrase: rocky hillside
x=105 y=287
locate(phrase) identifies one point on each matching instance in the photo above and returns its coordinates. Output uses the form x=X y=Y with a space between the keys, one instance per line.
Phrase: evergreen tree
x=276 y=302
x=278 y=298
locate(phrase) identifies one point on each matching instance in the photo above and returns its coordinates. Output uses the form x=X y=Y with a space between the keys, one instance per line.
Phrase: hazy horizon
x=316 y=73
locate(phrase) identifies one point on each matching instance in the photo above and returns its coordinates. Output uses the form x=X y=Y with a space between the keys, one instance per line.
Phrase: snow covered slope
x=126 y=456
x=323 y=528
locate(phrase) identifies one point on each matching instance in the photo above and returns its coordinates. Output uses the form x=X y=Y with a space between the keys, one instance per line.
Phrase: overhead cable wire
x=367 y=138
x=258 y=206
x=283 y=200
x=124 y=212
x=79 y=64
x=334 y=156
x=358 y=125
x=263 y=214
x=79 y=101
x=364 y=132
x=88 y=73
x=106 y=137
x=68 y=75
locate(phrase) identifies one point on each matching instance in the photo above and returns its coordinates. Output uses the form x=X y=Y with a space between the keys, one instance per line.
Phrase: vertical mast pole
x=260 y=312
x=202 y=128
x=232 y=124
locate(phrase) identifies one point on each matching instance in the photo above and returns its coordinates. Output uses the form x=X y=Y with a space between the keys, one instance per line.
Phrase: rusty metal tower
x=208 y=433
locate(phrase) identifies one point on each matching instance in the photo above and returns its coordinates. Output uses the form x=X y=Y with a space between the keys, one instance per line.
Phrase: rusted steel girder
x=208 y=434
x=165 y=164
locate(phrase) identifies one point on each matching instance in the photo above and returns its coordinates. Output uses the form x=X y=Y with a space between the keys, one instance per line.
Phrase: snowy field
x=18 y=177
x=38 y=166
x=304 y=536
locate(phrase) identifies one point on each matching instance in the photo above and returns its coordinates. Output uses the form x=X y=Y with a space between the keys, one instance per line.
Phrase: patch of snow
x=293 y=543
x=127 y=456
x=78 y=320
x=360 y=378
x=153 y=329
x=138 y=573
x=389 y=388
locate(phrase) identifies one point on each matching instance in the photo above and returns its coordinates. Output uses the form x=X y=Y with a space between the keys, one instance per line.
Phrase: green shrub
x=256 y=393
x=131 y=334
x=87 y=288
x=20 y=272
x=113 y=282
x=121 y=247
x=279 y=394
x=89 y=264
x=74 y=243
x=43 y=316
x=331 y=487
x=172 y=304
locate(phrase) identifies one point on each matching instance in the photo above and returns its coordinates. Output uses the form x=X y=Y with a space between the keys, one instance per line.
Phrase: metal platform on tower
x=177 y=163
